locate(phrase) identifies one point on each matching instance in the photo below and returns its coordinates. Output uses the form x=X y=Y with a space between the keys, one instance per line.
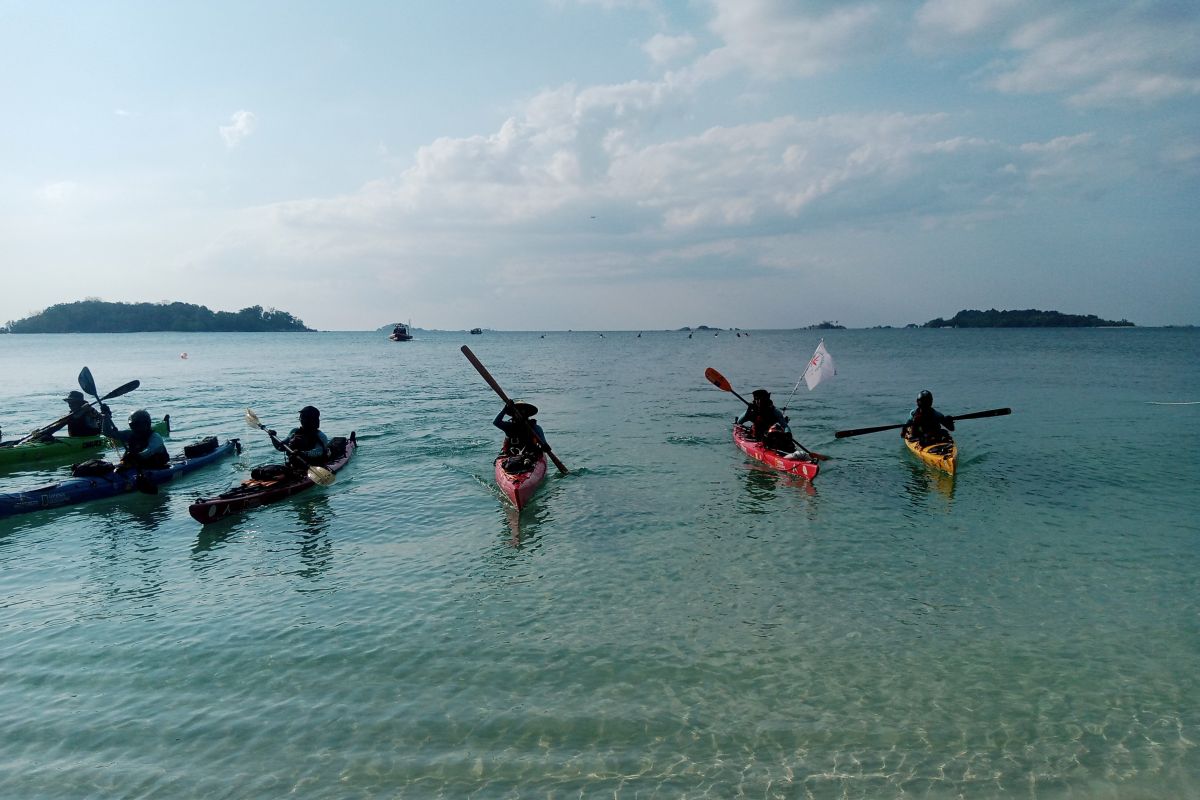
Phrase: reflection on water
x=124 y=558
x=925 y=484
x=316 y=549
x=762 y=483
x=313 y=515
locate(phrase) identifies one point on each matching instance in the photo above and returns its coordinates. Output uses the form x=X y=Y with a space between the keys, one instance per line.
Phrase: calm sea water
x=665 y=621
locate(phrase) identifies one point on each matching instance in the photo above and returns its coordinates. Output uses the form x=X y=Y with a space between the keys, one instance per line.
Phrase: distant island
x=826 y=326
x=97 y=316
x=1028 y=318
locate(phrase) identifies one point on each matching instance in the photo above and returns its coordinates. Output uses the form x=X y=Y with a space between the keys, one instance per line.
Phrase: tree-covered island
x=1028 y=318
x=98 y=316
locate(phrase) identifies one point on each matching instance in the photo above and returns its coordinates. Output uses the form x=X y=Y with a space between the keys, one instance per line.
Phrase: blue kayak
x=121 y=481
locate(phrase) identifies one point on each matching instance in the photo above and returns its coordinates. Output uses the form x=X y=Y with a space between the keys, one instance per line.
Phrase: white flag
x=820 y=367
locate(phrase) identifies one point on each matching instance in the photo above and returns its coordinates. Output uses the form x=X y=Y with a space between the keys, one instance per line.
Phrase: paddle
x=718 y=380
x=318 y=475
x=995 y=412
x=53 y=426
x=88 y=384
x=517 y=415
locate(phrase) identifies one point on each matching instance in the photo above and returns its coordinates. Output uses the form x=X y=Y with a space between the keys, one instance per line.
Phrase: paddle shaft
x=517 y=415
x=994 y=412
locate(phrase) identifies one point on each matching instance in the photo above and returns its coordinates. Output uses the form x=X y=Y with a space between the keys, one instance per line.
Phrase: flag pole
x=798 y=380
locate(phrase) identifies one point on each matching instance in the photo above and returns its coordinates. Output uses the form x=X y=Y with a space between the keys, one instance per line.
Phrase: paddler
x=926 y=424
x=307 y=441
x=83 y=421
x=144 y=448
x=768 y=424
x=522 y=440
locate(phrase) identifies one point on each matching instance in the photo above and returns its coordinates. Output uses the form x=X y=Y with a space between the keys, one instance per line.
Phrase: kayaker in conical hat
x=926 y=424
x=83 y=421
x=520 y=438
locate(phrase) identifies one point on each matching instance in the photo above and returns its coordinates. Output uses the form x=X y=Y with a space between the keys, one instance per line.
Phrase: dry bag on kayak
x=201 y=448
x=270 y=472
x=92 y=468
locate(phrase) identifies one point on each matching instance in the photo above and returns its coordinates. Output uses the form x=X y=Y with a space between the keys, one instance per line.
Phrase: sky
x=604 y=164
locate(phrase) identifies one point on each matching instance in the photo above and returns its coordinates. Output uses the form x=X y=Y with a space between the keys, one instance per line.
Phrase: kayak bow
x=519 y=487
x=802 y=467
x=939 y=455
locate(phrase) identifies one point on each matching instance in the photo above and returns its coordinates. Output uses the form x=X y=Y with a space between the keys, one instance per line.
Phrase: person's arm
x=746 y=417
x=500 y=423
x=947 y=421
x=108 y=428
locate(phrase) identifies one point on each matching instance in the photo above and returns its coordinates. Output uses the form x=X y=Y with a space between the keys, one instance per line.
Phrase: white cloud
x=59 y=192
x=1102 y=53
x=938 y=19
x=241 y=125
x=664 y=49
x=580 y=179
x=776 y=39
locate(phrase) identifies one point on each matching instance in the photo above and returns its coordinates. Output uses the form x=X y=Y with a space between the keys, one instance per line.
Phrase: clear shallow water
x=667 y=621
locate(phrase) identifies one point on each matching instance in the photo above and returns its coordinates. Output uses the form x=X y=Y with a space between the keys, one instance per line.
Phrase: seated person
x=144 y=448
x=925 y=424
x=307 y=441
x=522 y=440
x=82 y=421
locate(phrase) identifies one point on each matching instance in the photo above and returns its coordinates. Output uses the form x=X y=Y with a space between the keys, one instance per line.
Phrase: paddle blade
x=321 y=476
x=718 y=380
x=252 y=419
x=87 y=382
x=124 y=388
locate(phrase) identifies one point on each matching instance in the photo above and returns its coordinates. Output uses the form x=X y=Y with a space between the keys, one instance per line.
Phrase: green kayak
x=64 y=449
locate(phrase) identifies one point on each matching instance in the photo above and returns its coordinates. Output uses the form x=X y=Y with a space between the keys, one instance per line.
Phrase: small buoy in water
x=183 y=355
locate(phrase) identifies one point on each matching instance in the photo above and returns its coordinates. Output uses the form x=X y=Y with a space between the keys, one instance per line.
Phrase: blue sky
x=553 y=164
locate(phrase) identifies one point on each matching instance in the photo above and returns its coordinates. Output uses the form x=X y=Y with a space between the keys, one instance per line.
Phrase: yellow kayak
x=939 y=455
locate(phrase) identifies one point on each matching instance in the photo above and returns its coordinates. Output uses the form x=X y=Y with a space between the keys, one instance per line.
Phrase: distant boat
x=400 y=334
x=476 y=331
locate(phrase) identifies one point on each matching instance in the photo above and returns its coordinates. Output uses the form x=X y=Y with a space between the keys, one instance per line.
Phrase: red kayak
x=518 y=487
x=254 y=493
x=801 y=467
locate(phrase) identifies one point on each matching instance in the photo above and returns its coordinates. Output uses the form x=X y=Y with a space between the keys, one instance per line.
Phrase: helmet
x=74 y=397
x=140 y=420
x=761 y=394
x=309 y=415
x=925 y=398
